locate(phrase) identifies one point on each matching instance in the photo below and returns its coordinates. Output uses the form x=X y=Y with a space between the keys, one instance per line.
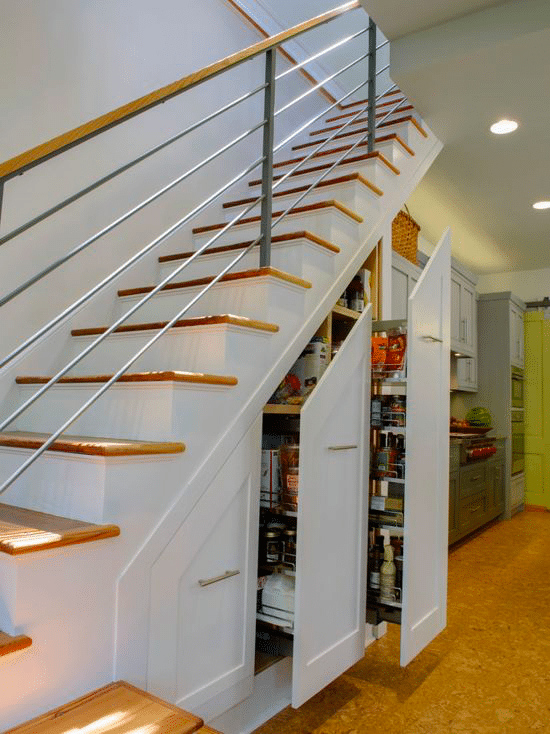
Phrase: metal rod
x=100 y=181
x=371 y=109
x=131 y=261
x=300 y=97
x=321 y=53
x=267 y=166
x=124 y=217
x=1 y=199
x=345 y=447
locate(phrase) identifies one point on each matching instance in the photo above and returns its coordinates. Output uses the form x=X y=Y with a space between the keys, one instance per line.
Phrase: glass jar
x=273 y=544
x=289 y=540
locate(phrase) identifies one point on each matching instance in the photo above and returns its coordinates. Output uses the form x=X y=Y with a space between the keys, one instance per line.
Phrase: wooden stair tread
x=119 y=708
x=382 y=139
x=163 y=376
x=300 y=189
x=346 y=162
x=183 y=323
x=405 y=108
x=89 y=445
x=207 y=730
x=322 y=154
x=363 y=120
x=228 y=277
x=304 y=234
x=28 y=531
x=332 y=203
x=9 y=644
x=365 y=101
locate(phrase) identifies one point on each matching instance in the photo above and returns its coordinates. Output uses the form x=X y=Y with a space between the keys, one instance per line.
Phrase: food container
x=289 y=455
x=270 y=481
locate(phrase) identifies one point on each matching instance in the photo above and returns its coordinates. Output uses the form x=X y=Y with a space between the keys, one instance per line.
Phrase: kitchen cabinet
x=464 y=373
x=477 y=493
x=516 y=336
x=422 y=610
x=463 y=311
x=500 y=322
x=405 y=276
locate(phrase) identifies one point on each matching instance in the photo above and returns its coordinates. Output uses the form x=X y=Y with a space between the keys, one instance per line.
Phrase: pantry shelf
x=282 y=409
x=341 y=312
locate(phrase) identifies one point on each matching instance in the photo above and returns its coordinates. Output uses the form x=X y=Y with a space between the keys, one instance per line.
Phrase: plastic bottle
x=387 y=576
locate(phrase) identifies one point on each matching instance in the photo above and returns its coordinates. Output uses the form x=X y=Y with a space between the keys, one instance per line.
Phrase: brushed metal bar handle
x=345 y=447
x=473 y=509
x=429 y=338
x=477 y=476
x=215 y=579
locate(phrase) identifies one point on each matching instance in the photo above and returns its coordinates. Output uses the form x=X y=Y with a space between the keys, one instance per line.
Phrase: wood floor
x=487 y=673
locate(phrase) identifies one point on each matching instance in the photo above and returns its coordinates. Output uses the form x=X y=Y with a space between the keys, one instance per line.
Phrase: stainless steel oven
x=518 y=442
x=518 y=382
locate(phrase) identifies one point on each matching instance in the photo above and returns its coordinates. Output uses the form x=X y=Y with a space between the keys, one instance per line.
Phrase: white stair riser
x=256 y=298
x=160 y=411
x=330 y=224
x=393 y=116
x=298 y=257
x=353 y=194
x=371 y=168
x=94 y=489
x=215 y=349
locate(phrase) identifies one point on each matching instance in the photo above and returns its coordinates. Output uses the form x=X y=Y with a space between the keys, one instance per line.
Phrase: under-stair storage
x=312 y=551
x=408 y=510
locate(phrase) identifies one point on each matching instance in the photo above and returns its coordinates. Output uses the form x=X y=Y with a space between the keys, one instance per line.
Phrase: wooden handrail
x=35 y=155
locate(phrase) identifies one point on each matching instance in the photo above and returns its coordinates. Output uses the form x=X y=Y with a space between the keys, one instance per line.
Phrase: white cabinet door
x=330 y=609
x=202 y=635
x=466 y=374
x=516 y=336
x=467 y=315
x=399 y=293
x=456 y=332
x=427 y=481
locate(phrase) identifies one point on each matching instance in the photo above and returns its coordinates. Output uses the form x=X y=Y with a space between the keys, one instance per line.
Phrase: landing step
x=28 y=531
x=343 y=136
x=300 y=189
x=397 y=121
x=164 y=376
x=324 y=166
x=89 y=445
x=241 y=275
x=297 y=210
x=241 y=245
x=9 y=644
x=183 y=323
x=118 y=707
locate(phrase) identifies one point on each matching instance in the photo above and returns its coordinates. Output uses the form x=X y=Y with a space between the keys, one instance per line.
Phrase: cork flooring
x=487 y=673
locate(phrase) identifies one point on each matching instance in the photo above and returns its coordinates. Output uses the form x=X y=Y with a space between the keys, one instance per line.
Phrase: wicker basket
x=404 y=232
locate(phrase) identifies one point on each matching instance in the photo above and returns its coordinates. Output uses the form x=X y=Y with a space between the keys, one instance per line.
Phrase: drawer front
x=471 y=511
x=472 y=480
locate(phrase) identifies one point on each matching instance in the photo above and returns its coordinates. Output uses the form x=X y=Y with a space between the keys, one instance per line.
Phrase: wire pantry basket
x=404 y=231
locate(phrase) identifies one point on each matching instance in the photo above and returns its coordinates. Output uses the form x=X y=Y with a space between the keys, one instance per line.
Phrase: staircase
x=137 y=462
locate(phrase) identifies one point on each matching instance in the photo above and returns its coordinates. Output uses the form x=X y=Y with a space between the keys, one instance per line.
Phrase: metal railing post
x=371 y=93
x=1 y=197
x=267 y=168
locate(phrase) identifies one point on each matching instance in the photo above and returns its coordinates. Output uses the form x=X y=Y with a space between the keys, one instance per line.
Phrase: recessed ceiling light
x=541 y=205
x=502 y=127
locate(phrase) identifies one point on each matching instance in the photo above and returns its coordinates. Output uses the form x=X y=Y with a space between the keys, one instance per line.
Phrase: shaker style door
x=427 y=484
x=203 y=593
x=330 y=609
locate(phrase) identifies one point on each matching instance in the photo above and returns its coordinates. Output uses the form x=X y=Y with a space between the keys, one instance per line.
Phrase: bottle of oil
x=387 y=576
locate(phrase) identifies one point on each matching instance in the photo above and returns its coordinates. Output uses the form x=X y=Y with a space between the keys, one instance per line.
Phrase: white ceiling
x=462 y=75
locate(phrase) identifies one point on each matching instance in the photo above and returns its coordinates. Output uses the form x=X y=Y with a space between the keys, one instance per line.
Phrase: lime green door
x=537 y=410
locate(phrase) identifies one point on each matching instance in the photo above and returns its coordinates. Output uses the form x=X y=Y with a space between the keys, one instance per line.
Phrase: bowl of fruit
x=478 y=422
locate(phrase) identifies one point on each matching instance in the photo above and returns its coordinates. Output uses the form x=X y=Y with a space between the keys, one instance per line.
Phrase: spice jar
x=289 y=552
x=290 y=458
x=272 y=546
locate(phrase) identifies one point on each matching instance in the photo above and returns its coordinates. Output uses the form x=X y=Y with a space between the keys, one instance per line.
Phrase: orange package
x=379 y=349
x=396 y=352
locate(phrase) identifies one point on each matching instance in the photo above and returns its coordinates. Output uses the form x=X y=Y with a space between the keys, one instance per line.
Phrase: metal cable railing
x=264 y=238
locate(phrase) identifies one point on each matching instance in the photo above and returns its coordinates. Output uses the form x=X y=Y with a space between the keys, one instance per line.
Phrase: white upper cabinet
x=405 y=276
x=463 y=312
x=330 y=603
x=516 y=335
x=427 y=471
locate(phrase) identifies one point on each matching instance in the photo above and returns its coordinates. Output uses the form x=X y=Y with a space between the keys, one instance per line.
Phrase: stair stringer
x=133 y=596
